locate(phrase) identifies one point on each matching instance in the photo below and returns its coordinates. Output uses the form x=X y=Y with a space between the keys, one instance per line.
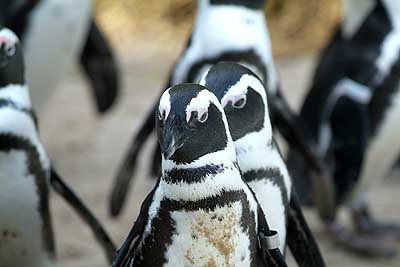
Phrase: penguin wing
x=300 y=240
x=126 y=252
x=86 y=215
x=101 y=68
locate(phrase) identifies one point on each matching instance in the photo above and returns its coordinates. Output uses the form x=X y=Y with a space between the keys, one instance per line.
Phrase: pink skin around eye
x=7 y=43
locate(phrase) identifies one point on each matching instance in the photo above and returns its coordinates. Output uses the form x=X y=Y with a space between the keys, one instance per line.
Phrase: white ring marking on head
x=164 y=106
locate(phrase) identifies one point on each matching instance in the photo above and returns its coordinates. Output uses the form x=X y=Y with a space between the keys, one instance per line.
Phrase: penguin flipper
x=294 y=132
x=127 y=168
x=124 y=254
x=86 y=215
x=101 y=68
x=300 y=240
x=271 y=254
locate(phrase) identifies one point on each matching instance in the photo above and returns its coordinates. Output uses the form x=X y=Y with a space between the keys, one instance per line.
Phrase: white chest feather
x=209 y=238
x=269 y=196
x=19 y=124
x=224 y=29
x=20 y=224
x=56 y=34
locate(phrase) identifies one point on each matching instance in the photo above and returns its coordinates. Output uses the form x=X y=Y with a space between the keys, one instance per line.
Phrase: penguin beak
x=172 y=139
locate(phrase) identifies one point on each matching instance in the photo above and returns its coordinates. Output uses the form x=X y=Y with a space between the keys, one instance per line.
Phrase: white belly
x=209 y=239
x=20 y=224
x=53 y=44
x=270 y=198
x=383 y=151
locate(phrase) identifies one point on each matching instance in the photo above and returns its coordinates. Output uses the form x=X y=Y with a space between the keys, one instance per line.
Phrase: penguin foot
x=364 y=223
x=358 y=244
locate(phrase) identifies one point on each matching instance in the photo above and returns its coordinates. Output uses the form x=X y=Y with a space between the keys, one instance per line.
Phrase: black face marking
x=247 y=119
x=10 y=142
x=192 y=139
x=11 y=67
x=192 y=175
x=152 y=250
x=251 y=4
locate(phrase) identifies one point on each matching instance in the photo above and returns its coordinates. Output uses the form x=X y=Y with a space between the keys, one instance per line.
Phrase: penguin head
x=243 y=97
x=11 y=60
x=250 y=4
x=191 y=124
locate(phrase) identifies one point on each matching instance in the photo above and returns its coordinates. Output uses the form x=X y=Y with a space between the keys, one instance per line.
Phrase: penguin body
x=55 y=35
x=234 y=31
x=26 y=235
x=200 y=213
x=224 y=32
x=244 y=100
x=352 y=111
x=369 y=45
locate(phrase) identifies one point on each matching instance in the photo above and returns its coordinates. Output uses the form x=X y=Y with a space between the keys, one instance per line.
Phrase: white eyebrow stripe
x=8 y=36
x=200 y=104
x=241 y=88
x=165 y=103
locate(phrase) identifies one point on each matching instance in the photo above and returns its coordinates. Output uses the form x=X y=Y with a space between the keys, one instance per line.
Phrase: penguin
x=351 y=110
x=224 y=30
x=57 y=32
x=244 y=99
x=26 y=175
x=200 y=212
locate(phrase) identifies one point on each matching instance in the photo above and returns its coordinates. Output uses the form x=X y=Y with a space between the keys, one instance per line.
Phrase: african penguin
x=200 y=213
x=26 y=235
x=352 y=110
x=243 y=97
x=225 y=30
x=56 y=34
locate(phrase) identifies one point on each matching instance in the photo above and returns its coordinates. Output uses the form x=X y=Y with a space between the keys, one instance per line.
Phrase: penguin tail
x=101 y=69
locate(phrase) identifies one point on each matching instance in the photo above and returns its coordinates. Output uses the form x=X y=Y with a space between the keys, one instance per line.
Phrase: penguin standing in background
x=352 y=112
x=224 y=30
x=200 y=213
x=244 y=100
x=26 y=234
x=55 y=34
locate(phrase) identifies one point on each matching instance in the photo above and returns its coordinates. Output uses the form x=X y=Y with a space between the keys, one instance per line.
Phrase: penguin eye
x=194 y=117
x=10 y=51
x=240 y=103
x=203 y=117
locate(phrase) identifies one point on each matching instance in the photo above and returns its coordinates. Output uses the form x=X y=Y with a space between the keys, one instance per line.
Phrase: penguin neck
x=356 y=11
x=210 y=175
x=16 y=93
x=254 y=150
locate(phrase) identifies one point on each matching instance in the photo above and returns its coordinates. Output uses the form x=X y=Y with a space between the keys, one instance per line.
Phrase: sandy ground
x=86 y=150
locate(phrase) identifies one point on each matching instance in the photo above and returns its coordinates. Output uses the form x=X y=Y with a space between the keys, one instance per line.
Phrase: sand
x=86 y=150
